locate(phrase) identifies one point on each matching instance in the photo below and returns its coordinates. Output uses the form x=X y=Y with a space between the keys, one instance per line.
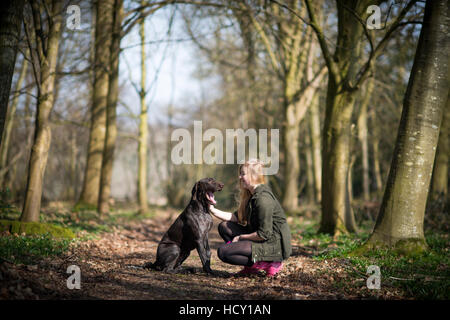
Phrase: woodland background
x=98 y=105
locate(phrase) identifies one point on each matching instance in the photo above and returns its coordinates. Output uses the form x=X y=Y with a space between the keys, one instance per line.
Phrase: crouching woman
x=257 y=235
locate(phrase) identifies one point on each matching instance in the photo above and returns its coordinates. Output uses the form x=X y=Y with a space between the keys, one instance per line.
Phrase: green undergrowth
x=27 y=249
x=85 y=220
x=424 y=275
x=59 y=226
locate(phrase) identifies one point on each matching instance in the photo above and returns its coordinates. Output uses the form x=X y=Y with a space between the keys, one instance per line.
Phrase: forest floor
x=110 y=251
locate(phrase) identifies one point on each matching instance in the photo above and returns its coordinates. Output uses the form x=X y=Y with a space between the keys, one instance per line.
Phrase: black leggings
x=236 y=253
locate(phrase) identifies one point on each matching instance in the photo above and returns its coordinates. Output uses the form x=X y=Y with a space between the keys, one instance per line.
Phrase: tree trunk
x=45 y=99
x=10 y=121
x=309 y=168
x=363 y=138
x=401 y=216
x=292 y=160
x=292 y=81
x=111 y=125
x=10 y=26
x=143 y=130
x=350 y=217
x=103 y=30
x=73 y=167
x=439 y=185
x=294 y=114
x=337 y=215
x=314 y=125
x=376 y=157
x=11 y=177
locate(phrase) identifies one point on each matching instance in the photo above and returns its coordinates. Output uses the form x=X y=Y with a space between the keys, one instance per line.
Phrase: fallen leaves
x=110 y=269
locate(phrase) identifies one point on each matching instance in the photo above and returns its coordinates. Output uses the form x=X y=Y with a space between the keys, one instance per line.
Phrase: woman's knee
x=222 y=226
x=224 y=229
x=221 y=253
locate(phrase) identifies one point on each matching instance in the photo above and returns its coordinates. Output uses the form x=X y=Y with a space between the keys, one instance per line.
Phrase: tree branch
x=264 y=38
x=314 y=83
x=138 y=13
x=375 y=52
x=331 y=65
x=127 y=28
x=205 y=49
x=38 y=29
x=32 y=59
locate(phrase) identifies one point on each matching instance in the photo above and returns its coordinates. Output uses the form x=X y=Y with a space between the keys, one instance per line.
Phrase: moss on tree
x=406 y=247
x=36 y=228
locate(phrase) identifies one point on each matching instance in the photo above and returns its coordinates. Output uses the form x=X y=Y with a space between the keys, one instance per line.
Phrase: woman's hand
x=250 y=236
x=222 y=215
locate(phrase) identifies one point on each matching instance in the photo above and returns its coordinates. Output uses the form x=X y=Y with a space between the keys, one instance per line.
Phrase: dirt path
x=108 y=271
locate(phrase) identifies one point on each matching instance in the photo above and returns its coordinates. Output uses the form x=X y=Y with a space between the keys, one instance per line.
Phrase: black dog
x=189 y=231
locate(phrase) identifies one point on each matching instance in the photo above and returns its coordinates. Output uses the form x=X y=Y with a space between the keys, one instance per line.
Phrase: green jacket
x=267 y=218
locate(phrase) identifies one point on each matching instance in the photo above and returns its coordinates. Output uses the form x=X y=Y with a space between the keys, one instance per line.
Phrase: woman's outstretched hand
x=222 y=215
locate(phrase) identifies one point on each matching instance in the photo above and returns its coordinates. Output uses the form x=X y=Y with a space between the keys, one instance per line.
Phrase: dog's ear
x=194 y=191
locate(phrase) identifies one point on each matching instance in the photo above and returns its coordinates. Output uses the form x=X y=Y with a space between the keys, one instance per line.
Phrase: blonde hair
x=254 y=169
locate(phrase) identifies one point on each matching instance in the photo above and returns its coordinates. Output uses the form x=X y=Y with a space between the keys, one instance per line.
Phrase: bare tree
x=143 y=128
x=401 y=216
x=345 y=76
x=45 y=51
x=103 y=30
x=113 y=93
x=295 y=69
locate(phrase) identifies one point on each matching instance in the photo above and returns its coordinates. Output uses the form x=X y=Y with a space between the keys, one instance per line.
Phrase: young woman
x=257 y=235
